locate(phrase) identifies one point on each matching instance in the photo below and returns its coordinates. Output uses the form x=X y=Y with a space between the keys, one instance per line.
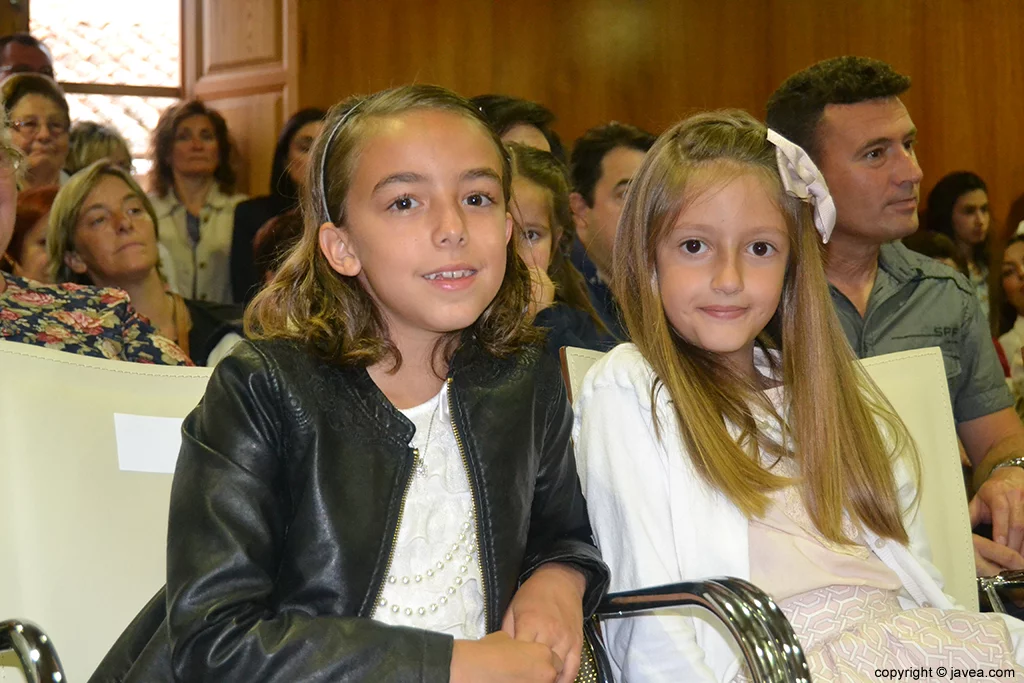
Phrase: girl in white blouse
x=705 y=451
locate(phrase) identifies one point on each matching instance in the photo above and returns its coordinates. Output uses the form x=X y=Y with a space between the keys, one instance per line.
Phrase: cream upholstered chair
x=84 y=546
x=914 y=382
x=83 y=541
x=765 y=638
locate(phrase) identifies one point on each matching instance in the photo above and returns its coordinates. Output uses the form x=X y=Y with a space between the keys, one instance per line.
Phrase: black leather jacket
x=286 y=501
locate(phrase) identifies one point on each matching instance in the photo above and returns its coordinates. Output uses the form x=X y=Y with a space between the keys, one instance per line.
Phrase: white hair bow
x=803 y=180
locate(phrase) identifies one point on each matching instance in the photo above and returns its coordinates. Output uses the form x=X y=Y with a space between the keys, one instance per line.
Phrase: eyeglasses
x=12 y=69
x=31 y=127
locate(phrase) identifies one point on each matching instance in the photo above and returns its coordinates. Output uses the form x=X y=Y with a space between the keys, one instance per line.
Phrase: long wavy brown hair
x=836 y=415
x=331 y=314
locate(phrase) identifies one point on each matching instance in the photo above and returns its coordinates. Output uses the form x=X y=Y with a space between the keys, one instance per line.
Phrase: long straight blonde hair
x=835 y=414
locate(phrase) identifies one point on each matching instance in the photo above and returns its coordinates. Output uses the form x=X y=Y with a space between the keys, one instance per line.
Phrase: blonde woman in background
x=103 y=232
x=90 y=142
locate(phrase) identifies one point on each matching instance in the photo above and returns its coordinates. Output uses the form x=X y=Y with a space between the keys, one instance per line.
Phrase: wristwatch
x=1011 y=462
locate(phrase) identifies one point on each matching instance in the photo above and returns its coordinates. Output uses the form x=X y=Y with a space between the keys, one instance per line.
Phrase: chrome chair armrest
x=34 y=649
x=989 y=586
x=770 y=648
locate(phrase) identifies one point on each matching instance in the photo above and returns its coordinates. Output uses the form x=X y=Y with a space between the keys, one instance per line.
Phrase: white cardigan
x=657 y=522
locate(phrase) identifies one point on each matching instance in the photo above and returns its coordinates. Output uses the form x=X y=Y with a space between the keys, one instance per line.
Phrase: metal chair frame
x=35 y=651
x=765 y=637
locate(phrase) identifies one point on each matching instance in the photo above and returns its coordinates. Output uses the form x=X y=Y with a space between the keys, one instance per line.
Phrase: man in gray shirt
x=846 y=113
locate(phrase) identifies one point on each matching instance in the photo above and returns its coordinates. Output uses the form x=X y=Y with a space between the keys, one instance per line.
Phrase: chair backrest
x=914 y=382
x=575 y=363
x=82 y=540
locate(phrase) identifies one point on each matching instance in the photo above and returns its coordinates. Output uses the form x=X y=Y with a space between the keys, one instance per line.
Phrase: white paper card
x=147 y=444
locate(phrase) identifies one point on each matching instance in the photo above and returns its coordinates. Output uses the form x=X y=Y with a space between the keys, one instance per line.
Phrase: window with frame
x=119 y=61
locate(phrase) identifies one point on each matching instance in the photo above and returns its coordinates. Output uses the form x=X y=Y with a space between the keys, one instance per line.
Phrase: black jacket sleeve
x=228 y=521
x=140 y=653
x=559 y=524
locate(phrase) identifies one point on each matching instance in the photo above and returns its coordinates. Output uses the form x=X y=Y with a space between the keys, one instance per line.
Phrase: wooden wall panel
x=966 y=65
x=261 y=114
x=239 y=57
x=651 y=62
x=13 y=17
x=239 y=33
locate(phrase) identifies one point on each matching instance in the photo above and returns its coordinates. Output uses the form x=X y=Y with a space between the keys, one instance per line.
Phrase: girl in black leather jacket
x=385 y=474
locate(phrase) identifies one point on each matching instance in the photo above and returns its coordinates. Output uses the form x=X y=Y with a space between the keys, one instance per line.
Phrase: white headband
x=803 y=180
x=322 y=170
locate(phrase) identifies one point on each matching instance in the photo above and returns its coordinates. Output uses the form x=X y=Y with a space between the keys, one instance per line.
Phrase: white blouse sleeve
x=624 y=471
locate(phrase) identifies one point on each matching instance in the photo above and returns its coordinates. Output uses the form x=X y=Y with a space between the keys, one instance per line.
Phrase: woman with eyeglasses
x=39 y=117
x=74 y=318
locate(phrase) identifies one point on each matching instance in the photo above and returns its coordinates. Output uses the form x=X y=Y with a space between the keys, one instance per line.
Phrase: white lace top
x=434 y=581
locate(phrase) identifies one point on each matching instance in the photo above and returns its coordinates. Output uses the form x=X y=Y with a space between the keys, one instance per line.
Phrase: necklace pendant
x=419 y=465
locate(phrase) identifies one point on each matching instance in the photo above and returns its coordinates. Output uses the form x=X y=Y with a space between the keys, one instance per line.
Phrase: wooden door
x=13 y=17
x=236 y=57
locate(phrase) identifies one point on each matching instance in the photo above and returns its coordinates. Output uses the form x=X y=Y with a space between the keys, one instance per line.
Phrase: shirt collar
x=892 y=258
x=215 y=199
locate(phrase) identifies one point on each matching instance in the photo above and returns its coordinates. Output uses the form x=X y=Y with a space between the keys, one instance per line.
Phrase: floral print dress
x=88 y=321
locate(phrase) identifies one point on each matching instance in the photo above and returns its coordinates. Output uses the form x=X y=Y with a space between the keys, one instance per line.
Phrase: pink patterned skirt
x=850 y=632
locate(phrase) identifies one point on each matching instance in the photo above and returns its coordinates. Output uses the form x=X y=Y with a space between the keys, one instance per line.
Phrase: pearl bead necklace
x=466 y=542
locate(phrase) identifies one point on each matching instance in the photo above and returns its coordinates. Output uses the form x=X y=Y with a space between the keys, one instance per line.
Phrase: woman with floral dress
x=85 y=320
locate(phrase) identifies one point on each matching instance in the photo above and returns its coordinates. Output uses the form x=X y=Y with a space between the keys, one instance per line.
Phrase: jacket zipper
x=394 y=540
x=472 y=498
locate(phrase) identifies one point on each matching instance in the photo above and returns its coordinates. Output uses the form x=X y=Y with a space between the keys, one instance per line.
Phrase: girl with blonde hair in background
x=544 y=236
